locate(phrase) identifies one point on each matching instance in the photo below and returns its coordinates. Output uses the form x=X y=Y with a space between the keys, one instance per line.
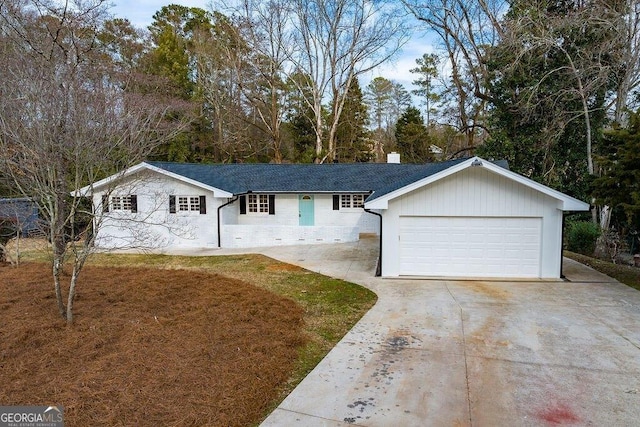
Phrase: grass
x=328 y=309
x=626 y=274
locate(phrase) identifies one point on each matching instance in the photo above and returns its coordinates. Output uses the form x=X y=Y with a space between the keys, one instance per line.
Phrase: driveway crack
x=464 y=349
x=612 y=328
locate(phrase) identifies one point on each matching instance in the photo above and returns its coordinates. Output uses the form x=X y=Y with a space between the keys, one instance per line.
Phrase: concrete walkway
x=472 y=353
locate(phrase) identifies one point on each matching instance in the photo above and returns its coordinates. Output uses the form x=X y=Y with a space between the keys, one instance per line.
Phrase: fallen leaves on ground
x=148 y=347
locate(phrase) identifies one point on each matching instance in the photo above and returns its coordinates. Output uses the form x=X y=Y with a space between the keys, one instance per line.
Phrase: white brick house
x=465 y=217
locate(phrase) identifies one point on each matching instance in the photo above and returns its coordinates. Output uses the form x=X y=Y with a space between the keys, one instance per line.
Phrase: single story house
x=459 y=218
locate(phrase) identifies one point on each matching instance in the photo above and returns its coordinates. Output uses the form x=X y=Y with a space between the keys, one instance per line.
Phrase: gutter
x=219 y=228
x=379 y=266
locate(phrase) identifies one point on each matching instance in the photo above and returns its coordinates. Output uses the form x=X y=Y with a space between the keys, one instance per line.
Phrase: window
x=348 y=201
x=120 y=203
x=258 y=204
x=188 y=204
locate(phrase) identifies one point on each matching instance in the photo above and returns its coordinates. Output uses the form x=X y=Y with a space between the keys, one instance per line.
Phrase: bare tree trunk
x=57 y=270
x=463 y=118
x=339 y=98
x=72 y=289
x=18 y=241
x=585 y=112
x=319 y=123
x=276 y=121
x=630 y=78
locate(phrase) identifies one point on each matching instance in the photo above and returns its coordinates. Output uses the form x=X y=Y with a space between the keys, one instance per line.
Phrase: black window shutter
x=243 y=205
x=203 y=205
x=336 y=202
x=272 y=204
x=172 y=204
x=105 y=203
x=134 y=203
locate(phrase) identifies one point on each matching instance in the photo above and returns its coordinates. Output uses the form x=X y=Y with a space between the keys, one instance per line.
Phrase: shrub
x=582 y=236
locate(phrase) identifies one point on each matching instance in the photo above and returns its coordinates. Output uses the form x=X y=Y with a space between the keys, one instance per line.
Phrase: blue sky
x=140 y=13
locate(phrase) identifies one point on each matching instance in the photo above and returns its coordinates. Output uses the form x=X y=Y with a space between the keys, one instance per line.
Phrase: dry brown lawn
x=150 y=347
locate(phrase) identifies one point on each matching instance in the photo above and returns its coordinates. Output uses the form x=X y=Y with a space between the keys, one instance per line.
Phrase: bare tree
x=629 y=78
x=265 y=30
x=465 y=29
x=335 y=42
x=67 y=120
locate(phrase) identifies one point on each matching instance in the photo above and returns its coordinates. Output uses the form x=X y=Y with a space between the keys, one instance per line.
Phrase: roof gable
x=380 y=200
x=126 y=174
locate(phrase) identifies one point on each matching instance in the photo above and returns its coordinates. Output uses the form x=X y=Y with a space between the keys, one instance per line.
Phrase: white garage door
x=470 y=246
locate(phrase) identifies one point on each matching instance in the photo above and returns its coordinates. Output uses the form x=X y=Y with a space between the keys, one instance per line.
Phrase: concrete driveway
x=481 y=353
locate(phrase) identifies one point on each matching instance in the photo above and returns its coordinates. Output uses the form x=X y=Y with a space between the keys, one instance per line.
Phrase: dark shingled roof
x=382 y=178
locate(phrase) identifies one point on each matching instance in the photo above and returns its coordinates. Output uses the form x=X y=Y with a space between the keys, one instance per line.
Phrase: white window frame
x=258 y=204
x=120 y=203
x=188 y=203
x=352 y=201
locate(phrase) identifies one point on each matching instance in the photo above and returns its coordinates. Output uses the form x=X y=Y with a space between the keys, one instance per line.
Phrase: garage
x=473 y=219
x=470 y=246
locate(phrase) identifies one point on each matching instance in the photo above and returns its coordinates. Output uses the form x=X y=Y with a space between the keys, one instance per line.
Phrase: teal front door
x=305 y=207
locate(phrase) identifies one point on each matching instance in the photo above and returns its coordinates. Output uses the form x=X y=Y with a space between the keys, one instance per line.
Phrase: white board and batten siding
x=474 y=223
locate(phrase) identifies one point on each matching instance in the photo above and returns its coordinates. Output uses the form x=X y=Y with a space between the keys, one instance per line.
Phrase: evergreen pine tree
x=412 y=137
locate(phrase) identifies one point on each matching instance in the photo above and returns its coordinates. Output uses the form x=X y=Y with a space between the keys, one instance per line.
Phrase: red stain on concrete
x=558 y=415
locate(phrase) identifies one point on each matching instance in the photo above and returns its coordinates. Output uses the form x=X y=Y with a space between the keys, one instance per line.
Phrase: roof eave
x=567 y=203
x=382 y=202
x=98 y=186
x=304 y=192
x=218 y=192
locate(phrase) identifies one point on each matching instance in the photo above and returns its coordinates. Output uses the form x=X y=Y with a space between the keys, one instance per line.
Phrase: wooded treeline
x=550 y=86
x=268 y=81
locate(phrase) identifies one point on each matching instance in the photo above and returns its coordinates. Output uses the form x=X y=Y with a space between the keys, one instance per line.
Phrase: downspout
x=219 y=227
x=379 y=266
x=564 y=217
